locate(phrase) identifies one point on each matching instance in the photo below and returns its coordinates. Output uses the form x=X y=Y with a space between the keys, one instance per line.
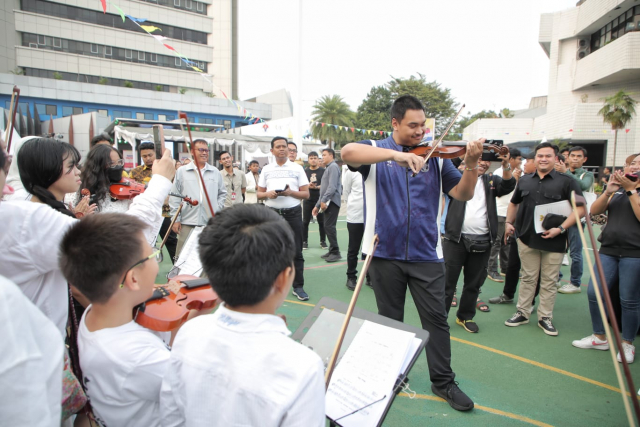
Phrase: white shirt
x=31 y=238
x=475 y=213
x=502 y=203
x=251 y=196
x=123 y=369
x=30 y=363
x=237 y=369
x=352 y=191
x=276 y=177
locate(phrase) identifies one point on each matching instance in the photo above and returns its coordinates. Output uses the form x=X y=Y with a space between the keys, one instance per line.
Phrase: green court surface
x=516 y=376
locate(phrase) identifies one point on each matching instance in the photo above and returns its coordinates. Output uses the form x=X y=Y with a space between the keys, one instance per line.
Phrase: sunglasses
x=157 y=255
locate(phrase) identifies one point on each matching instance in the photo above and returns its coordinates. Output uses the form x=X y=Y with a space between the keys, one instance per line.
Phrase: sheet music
x=189 y=260
x=559 y=208
x=367 y=372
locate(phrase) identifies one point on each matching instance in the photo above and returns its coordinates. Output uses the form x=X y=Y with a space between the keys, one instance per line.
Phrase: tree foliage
x=333 y=111
x=617 y=111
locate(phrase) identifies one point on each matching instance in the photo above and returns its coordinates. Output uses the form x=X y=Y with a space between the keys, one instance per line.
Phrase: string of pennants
x=351 y=129
x=149 y=29
x=485 y=131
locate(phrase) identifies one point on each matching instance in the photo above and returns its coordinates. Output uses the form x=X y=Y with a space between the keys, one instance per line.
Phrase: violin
x=453 y=149
x=126 y=189
x=169 y=306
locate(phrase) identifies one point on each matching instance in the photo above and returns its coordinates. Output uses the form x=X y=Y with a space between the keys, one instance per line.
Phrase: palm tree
x=617 y=111
x=329 y=112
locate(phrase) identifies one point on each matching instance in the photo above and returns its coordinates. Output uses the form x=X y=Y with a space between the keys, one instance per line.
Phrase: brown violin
x=453 y=149
x=126 y=189
x=170 y=304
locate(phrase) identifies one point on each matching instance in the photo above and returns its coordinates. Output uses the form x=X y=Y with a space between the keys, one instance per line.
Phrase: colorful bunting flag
x=104 y=5
x=119 y=11
x=138 y=20
x=150 y=28
x=169 y=47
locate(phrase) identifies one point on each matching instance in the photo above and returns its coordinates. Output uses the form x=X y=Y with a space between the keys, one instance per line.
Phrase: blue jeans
x=575 y=251
x=629 y=270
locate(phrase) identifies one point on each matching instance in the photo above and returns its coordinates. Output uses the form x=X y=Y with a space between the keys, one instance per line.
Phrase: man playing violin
x=123 y=363
x=403 y=197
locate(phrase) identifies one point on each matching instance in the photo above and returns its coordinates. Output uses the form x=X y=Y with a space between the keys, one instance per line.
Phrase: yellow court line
x=486 y=409
x=540 y=365
x=300 y=302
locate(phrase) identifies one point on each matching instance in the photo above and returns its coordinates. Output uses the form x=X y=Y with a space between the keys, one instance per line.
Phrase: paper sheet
x=189 y=260
x=367 y=373
x=558 y=208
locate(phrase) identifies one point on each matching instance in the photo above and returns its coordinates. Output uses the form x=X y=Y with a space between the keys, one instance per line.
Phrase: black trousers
x=425 y=280
x=172 y=240
x=356 y=231
x=307 y=208
x=513 y=272
x=475 y=264
x=293 y=217
x=330 y=221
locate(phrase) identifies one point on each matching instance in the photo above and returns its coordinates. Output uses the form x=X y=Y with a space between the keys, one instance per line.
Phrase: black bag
x=476 y=243
x=552 y=221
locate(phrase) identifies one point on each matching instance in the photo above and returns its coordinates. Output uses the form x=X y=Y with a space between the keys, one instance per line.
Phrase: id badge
x=233 y=196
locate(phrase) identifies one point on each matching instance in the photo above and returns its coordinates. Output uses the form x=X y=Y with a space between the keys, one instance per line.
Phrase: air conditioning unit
x=584 y=48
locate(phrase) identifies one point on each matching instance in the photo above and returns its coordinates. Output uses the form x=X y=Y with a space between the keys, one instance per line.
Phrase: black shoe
x=333 y=257
x=468 y=325
x=305 y=245
x=502 y=299
x=368 y=283
x=495 y=276
x=325 y=255
x=300 y=294
x=546 y=325
x=351 y=283
x=323 y=245
x=454 y=396
x=517 y=319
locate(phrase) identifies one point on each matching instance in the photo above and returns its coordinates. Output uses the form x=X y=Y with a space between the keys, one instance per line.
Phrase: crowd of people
x=79 y=263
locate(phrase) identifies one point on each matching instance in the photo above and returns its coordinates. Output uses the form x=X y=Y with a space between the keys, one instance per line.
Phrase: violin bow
x=446 y=131
x=8 y=134
x=580 y=201
x=192 y=151
x=347 y=317
x=185 y=199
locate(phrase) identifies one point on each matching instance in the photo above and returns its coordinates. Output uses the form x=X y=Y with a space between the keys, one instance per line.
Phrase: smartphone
x=631 y=177
x=284 y=189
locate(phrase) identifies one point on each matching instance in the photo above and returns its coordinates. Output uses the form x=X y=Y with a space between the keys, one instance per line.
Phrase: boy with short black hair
x=108 y=259
x=238 y=366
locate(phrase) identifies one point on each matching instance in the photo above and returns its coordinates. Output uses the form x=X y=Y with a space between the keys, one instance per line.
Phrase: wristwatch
x=632 y=192
x=562 y=229
x=508 y=167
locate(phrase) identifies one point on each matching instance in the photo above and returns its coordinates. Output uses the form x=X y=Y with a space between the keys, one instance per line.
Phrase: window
x=122 y=114
x=187 y=4
x=34 y=45
x=103 y=112
x=67 y=111
x=153 y=57
x=199 y=6
x=162 y=117
x=78 y=110
x=140 y=56
x=178 y=62
x=94 y=48
x=57 y=42
x=227 y=124
x=176 y=2
x=140 y=116
x=108 y=51
x=41 y=40
x=52 y=110
x=148 y=116
x=128 y=54
x=170 y=117
x=41 y=109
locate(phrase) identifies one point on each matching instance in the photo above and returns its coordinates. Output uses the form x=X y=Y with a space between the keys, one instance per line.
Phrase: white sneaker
x=565 y=260
x=591 y=342
x=629 y=352
x=569 y=289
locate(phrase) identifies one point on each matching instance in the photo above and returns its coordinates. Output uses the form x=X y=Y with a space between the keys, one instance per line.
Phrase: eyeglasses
x=116 y=164
x=203 y=150
x=157 y=255
x=293 y=151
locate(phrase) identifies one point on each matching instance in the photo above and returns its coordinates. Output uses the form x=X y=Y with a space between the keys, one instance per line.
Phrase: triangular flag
x=380 y=132
x=198 y=69
x=627 y=130
x=169 y=47
x=159 y=38
x=104 y=5
x=119 y=11
x=335 y=126
x=323 y=124
x=138 y=20
x=570 y=130
x=150 y=28
x=527 y=133
x=353 y=130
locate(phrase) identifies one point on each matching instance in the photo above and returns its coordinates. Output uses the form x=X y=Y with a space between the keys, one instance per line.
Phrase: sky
x=485 y=51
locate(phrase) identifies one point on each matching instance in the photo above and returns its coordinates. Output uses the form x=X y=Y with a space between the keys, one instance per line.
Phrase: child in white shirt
x=122 y=362
x=238 y=367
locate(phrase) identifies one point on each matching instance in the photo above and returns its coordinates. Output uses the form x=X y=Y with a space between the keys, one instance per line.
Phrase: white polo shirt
x=276 y=177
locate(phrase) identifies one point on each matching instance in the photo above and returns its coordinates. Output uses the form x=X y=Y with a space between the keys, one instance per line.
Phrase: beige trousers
x=185 y=232
x=535 y=262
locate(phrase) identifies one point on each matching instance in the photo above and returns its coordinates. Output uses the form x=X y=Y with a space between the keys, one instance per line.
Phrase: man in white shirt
x=502 y=203
x=238 y=366
x=187 y=183
x=234 y=180
x=252 y=178
x=283 y=184
x=352 y=191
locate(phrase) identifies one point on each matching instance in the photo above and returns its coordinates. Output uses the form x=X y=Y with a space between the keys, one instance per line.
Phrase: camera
x=489 y=156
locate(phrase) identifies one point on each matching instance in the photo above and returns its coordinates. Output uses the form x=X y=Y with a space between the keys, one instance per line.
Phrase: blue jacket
x=403 y=210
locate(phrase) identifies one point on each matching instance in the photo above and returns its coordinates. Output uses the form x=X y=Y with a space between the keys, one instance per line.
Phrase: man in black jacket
x=470 y=229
